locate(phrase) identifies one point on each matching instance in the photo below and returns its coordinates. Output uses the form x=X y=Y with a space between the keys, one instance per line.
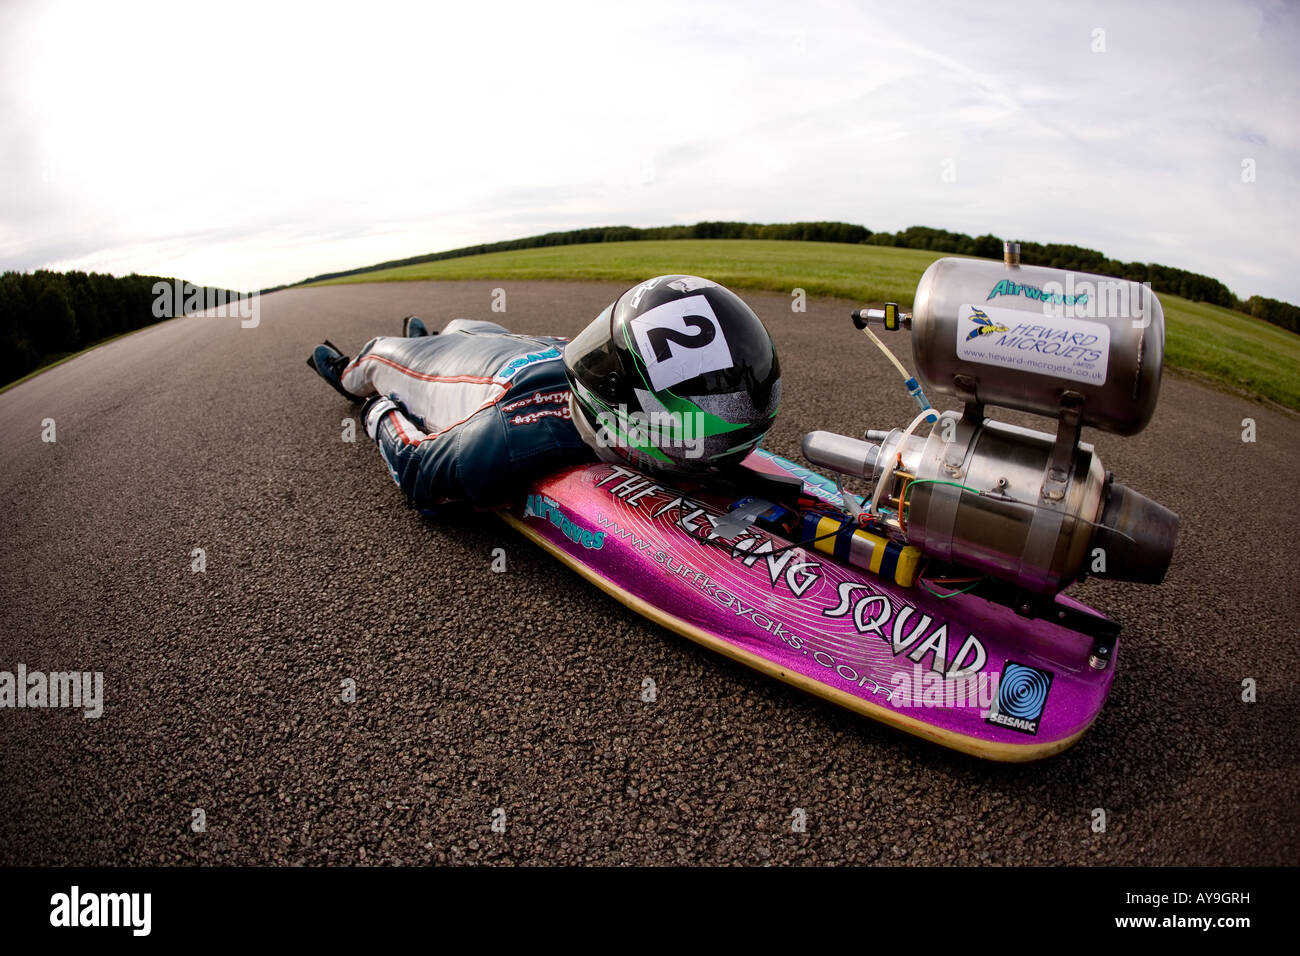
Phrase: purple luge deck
x=960 y=671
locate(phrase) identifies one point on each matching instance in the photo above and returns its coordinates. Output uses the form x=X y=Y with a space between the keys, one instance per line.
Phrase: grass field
x=1233 y=350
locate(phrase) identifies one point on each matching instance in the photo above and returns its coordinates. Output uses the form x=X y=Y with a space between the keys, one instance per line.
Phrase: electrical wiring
x=888 y=473
x=1006 y=498
x=944 y=597
x=902 y=496
x=971 y=582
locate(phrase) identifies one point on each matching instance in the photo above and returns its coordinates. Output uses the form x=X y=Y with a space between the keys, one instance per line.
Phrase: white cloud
x=257 y=143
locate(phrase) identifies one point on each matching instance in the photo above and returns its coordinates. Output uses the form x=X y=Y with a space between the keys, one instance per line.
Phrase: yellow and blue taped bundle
x=863 y=549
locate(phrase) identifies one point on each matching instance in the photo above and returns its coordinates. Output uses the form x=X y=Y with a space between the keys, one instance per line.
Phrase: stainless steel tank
x=1025 y=336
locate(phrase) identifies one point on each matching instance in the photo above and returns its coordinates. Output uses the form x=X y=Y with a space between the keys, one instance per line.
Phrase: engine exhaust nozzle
x=1136 y=537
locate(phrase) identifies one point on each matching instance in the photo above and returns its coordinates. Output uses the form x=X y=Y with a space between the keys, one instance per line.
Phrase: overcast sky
x=250 y=144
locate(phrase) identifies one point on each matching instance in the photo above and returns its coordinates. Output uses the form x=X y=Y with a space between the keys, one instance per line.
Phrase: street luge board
x=962 y=672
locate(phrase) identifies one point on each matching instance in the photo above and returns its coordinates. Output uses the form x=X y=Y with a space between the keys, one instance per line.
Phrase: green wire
x=944 y=597
x=934 y=481
x=902 y=504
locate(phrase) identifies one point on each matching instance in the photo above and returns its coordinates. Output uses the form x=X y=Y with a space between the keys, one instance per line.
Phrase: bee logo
x=983 y=325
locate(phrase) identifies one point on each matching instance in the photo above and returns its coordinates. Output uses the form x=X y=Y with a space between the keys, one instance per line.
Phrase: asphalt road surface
x=516 y=697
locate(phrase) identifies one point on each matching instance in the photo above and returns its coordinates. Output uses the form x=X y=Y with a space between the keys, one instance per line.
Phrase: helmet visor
x=591 y=358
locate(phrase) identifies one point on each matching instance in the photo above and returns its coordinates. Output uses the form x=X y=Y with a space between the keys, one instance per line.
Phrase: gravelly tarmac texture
x=522 y=690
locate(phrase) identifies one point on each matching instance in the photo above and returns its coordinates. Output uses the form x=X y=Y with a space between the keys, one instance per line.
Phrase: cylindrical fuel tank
x=1023 y=336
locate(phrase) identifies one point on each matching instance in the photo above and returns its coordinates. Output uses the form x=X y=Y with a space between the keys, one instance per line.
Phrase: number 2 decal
x=680 y=340
x=661 y=336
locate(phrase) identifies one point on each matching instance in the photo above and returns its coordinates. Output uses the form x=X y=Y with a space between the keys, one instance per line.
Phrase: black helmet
x=677 y=375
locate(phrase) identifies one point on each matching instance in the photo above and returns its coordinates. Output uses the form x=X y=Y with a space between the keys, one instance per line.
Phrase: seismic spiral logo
x=1022 y=696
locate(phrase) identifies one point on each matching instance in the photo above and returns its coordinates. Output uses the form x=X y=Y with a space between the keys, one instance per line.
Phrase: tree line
x=1166 y=279
x=1189 y=285
x=44 y=314
x=800 y=231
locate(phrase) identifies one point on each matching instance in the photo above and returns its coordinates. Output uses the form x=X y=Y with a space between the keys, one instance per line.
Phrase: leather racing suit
x=474 y=413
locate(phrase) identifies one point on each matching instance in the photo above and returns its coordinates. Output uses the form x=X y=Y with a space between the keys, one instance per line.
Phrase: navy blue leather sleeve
x=427 y=469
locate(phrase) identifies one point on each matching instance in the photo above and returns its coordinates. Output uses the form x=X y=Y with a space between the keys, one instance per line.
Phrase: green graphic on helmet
x=677 y=375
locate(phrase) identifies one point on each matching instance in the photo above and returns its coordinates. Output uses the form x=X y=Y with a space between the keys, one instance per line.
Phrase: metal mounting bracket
x=1056 y=481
